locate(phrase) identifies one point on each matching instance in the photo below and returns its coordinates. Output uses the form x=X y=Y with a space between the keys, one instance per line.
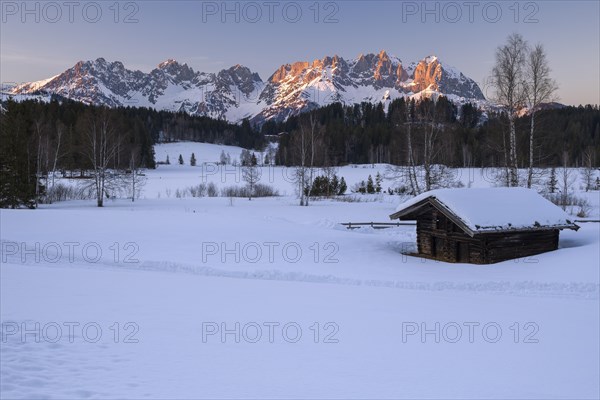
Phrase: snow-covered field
x=215 y=298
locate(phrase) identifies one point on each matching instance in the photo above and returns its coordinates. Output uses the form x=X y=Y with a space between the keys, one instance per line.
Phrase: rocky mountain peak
x=383 y=55
x=237 y=92
x=167 y=63
x=386 y=69
x=239 y=76
x=171 y=70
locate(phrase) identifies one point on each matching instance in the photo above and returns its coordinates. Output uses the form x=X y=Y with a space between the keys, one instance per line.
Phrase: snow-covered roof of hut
x=490 y=209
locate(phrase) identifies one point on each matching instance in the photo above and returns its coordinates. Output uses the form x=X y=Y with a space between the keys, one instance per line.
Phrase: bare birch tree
x=430 y=150
x=251 y=175
x=57 y=154
x=539 y=88
x=588 y=173
x=137 y=178
x=40 y=132
x=412 y=168
x=508 y=81
x=566 y=182
x=307 y=146
x=408 y=172
x=101 y=149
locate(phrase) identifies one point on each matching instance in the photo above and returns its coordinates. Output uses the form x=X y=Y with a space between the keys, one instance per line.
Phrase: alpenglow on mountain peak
x=236 y=93
x=167 y=63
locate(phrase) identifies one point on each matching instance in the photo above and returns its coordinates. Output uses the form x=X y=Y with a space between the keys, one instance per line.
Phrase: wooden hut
x=483 y=226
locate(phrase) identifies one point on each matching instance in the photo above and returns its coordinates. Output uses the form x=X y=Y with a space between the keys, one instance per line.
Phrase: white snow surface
x=489 y=209
x=169 y=267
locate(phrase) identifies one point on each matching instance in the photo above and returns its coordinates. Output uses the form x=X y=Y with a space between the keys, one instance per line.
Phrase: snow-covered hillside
x=216 y=298
x=204 y=152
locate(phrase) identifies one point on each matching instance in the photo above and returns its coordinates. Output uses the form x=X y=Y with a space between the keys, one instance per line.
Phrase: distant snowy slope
x=204 y=152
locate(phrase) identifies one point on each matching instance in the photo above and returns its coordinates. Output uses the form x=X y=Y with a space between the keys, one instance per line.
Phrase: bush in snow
x=212 y=190
x=571 y=201
x=260 y=190
x=198 y=190
x=62 y=192
x=224 y=159
x=401 y=190
x=355 y=199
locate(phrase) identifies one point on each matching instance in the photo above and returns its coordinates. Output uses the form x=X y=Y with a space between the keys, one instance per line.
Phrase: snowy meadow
x=184 y=294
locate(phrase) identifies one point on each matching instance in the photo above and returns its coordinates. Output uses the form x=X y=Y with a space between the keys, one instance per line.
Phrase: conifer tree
x=334 y=185
x=378 y=181
x=17 y=176
x=343 y=187
x=370 y=185
x=553 y=181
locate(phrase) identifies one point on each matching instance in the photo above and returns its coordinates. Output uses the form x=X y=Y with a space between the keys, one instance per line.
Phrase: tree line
x=42 y=140
x=439 y=132
x=39 y=141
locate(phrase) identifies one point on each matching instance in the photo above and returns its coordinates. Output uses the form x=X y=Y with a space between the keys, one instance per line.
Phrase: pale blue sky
x=193 y=32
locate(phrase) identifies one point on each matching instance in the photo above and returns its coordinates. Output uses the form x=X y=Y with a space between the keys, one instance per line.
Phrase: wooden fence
x=377 y=225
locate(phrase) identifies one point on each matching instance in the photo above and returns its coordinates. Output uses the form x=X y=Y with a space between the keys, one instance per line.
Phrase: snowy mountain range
x=237 y=93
